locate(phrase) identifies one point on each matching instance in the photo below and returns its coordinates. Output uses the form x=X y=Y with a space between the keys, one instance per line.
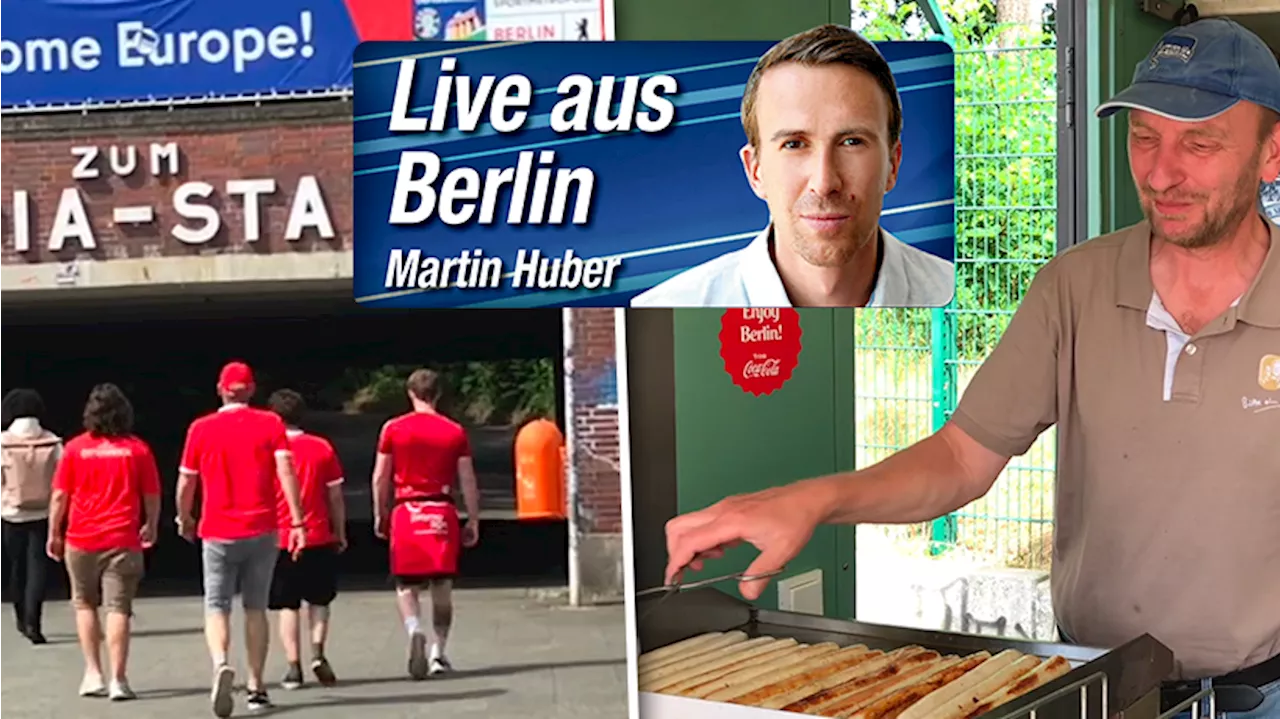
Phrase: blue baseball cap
x=1201 y=70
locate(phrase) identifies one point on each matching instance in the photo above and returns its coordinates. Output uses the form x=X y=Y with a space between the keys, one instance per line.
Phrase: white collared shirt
x=1176 y=340
x=908 y=277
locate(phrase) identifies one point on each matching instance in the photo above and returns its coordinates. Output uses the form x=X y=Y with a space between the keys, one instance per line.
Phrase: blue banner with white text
x=72 y=52
x=583 y=174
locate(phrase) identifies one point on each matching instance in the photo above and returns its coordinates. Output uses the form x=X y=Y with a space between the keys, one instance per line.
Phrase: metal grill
x=1101 y=683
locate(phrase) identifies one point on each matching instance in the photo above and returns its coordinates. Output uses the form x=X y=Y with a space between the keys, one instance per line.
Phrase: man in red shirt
x=422 y=456
x=105 y=481
x=311 y=576
x=238 y=456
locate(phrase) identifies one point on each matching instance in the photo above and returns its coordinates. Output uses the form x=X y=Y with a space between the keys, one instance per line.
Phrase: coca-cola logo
x=771 y=367
x=760 y=347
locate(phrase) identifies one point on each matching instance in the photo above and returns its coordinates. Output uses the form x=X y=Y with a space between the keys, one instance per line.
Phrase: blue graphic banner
x=527 y=194
x=56 y=52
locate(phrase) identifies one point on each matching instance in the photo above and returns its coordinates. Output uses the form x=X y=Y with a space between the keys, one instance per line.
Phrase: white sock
x=437 y=650
x=411 y=625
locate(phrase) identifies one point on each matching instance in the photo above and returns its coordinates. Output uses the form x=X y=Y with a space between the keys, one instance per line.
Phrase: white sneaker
x=120 y=691
x=440 y=665
x=92 y=686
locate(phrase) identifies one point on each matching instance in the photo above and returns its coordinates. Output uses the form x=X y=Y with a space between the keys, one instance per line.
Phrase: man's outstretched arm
x=937 y=475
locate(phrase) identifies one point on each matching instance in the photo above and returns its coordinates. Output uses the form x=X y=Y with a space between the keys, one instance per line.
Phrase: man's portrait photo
x=823 y=121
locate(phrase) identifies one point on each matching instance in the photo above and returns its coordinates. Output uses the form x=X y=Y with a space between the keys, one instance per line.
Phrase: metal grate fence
x=912 y=365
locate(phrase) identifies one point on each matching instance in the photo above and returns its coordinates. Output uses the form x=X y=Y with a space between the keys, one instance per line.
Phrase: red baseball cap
x=235 y=375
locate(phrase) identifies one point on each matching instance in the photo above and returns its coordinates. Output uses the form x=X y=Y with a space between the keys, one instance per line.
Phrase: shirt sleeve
x=384 y=439
x=191 y=451
x=64 y=474
x=280 y=439
x=332 y=469
x=464 y=444
x=1013 y=397
x=148 y=472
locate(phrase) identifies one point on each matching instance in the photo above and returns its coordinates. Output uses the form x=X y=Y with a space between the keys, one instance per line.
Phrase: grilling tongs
x=677 y=585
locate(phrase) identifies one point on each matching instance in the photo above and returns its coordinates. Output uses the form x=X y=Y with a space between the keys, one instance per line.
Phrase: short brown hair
x=424 y=384
x=1270 y=118
x=289 y=405
x=824 y=45
x=108 y=413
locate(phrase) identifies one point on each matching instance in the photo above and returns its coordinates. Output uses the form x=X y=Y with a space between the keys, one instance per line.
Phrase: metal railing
x=1082 y=685
x=912 y=366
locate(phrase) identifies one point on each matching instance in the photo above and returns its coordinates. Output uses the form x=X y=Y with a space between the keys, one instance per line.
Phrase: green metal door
x=729 y=441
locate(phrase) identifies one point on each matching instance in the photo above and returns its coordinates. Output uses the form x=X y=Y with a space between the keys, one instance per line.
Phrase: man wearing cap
x=238 y=456
x=1156 y=352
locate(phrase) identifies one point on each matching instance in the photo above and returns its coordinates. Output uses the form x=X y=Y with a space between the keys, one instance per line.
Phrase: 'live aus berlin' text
x=472 y=269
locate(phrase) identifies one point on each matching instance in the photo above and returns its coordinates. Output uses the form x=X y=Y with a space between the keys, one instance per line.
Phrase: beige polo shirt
x=1168 y=505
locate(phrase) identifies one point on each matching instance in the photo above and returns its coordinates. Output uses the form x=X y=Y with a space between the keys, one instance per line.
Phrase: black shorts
x=313 y=579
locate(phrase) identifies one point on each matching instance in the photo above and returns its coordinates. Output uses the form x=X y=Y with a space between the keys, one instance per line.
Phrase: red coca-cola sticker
x=760 y=347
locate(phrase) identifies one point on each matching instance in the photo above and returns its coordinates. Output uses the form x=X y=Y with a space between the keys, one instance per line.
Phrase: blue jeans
x=1268 y=709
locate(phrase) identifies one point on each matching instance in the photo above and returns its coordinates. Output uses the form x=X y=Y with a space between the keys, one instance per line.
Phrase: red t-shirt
x=234 y=452
x=105 y=479
x=425 y=449
x=318 y=469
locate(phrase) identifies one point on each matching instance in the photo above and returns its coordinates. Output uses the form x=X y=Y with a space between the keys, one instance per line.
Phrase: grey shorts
x=241 y=565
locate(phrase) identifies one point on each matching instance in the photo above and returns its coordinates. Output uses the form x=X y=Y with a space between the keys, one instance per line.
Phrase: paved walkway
x=517 y=653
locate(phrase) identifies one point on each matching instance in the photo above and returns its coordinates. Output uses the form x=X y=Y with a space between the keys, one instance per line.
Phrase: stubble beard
x=1218 y=221
x=831 y=251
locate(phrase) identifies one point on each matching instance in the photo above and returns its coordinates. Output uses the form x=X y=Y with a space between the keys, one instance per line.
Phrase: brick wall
x=595 y=420
x=215 y=144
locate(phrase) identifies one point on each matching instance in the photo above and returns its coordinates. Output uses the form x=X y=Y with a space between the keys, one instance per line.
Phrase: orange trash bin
x=540 y=471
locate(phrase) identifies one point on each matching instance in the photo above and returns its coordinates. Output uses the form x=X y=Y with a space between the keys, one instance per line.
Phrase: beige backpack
x=29 y=463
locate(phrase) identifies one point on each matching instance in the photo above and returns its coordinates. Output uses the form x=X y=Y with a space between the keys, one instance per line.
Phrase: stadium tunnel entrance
x=165 y=352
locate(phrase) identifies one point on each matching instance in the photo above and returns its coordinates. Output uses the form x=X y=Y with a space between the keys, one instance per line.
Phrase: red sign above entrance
x=760 y=347
x=104 y=194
